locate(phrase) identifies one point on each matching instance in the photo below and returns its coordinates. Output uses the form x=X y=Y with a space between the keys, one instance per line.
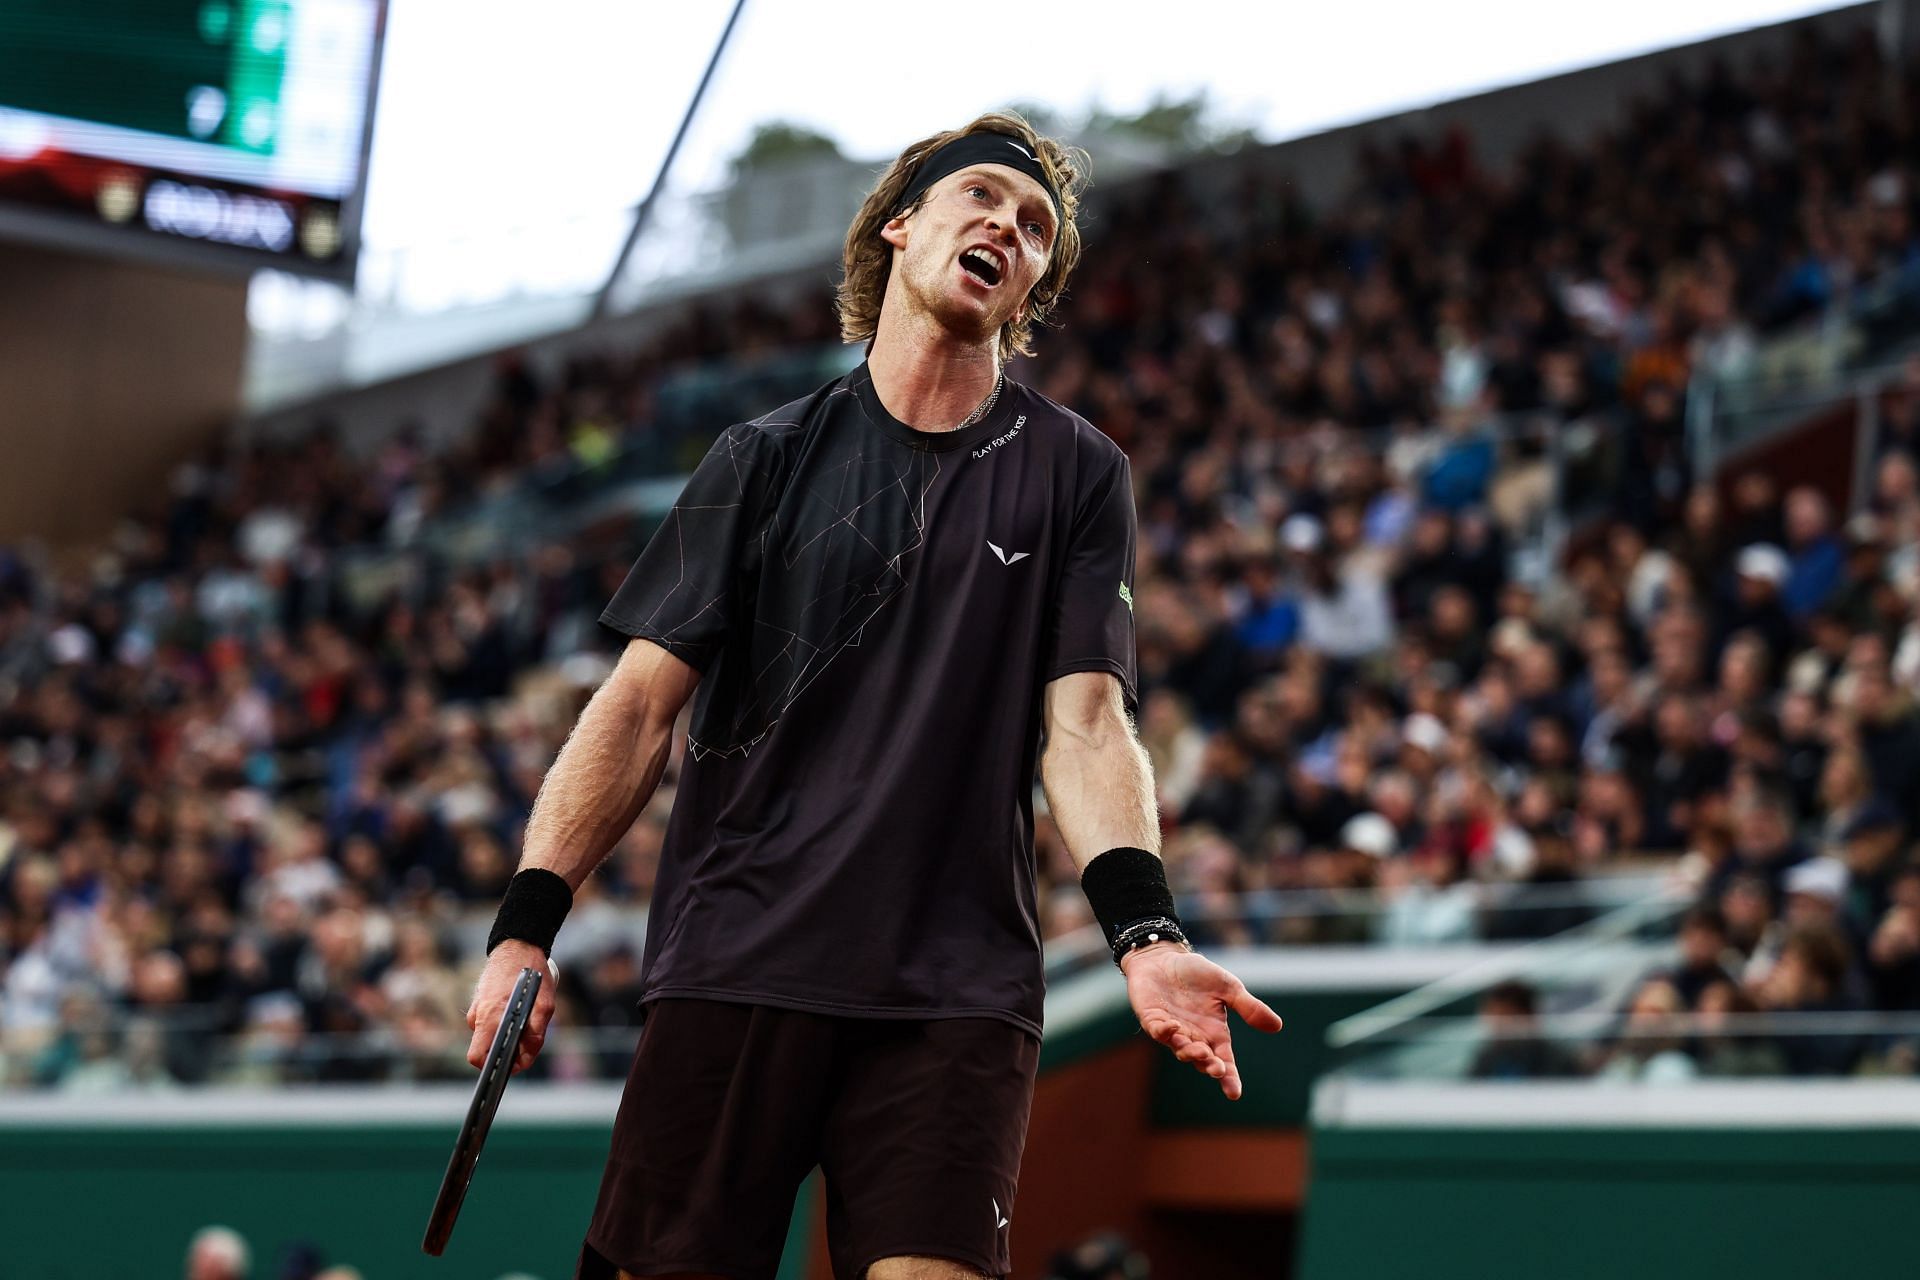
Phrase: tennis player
x=890 y=602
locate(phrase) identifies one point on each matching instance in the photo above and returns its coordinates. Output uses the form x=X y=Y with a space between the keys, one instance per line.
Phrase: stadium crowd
x=249 y=817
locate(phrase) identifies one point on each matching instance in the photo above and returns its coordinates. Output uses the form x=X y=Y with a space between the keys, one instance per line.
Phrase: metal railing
x=180 y=1049
x=1608 y=1044
x=100 y=1047
x=1588 y=1027
x=1847 y=354
x=639 y=474
x=1591 y=952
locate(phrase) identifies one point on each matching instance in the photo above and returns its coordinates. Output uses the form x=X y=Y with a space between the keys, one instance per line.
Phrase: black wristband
x=1126 y=886
x=536 y=902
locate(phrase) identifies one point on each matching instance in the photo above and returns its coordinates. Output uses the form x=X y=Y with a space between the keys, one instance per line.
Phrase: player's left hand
x=1182 y=998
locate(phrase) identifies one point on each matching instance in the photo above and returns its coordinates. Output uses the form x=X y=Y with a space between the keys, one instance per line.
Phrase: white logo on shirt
x=1001 y=439
x=1015 y=558
x=998 y=1221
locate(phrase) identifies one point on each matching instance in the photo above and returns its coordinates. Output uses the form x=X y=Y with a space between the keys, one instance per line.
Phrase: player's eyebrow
x=1028 y=204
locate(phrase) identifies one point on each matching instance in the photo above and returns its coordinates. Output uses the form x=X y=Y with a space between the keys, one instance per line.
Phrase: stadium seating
x=264 y=759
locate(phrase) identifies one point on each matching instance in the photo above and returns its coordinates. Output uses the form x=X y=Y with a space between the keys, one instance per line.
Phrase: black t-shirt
x=875 y=611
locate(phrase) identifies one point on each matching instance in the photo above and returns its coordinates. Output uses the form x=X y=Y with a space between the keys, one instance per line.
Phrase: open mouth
x=982 y=266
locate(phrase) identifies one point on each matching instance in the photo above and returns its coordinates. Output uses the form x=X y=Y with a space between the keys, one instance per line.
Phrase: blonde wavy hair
x=868 y=259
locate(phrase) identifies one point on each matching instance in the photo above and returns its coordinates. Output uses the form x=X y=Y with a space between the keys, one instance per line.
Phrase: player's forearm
x=599 y=783
x=1099 y=787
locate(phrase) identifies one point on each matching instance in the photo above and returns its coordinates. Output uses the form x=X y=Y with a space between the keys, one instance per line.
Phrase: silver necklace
x=986 y=406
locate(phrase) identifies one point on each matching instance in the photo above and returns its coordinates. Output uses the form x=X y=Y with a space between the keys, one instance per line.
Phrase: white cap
x=1821 y=877
x=1764 y=561
x=1513 y=851
x=1371 y=834
x=1300 y=533
x=71 y=645
x=1424 y=730
x=1509 y=636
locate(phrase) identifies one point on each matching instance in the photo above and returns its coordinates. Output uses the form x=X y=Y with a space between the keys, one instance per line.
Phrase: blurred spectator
x=1815 y=891
x=1764 y=846
x=1869 y=848
x=1268 y=616
x=159 y=1011
x=1106 y=1256
x=1344 y=613
x=266 y=753
x=1514 y=1048
x=1366 y=841
x=1893 y=955
x=1651 y=1048
x=1817 y=555
x=1703 y=955
x=1727 y=1044
x=218 y=1253
x=1428 y=901
x=1888 y=729
x=1811 y=977
x=1758 y=606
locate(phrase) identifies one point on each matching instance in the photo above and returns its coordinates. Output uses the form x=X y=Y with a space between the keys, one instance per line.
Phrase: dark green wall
x=82 y=1205
x=125 y=1200
x=1276 y=1072
x=1654 y=1204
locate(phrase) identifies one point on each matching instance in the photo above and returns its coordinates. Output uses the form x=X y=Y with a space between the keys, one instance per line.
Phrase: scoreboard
x=222 y=133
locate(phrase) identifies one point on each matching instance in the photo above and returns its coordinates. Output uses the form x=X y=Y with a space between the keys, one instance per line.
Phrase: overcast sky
x=511 y=142
x=511 y=113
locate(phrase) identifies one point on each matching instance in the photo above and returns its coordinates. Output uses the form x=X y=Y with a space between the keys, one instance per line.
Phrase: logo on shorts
x=998 y=1220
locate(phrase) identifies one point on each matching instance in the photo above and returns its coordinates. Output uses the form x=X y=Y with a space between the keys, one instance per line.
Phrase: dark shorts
x=917 y=1125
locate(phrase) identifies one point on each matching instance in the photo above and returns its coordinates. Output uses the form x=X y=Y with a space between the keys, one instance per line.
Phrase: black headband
x=981 y=148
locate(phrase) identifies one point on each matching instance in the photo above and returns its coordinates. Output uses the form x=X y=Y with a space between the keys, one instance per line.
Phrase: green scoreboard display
x=225 y=132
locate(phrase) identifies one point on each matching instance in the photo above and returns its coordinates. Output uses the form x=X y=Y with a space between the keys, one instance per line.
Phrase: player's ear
x=894 y=231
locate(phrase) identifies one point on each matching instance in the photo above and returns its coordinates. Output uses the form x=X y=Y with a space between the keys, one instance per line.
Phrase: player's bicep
x=655 y=679
x=1084 y=708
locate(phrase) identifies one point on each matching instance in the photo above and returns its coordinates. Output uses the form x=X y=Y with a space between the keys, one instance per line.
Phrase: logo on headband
x=979 y=148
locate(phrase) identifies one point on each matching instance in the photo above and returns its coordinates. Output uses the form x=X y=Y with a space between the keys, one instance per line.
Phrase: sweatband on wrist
x=536 y=903
x=1126 y=886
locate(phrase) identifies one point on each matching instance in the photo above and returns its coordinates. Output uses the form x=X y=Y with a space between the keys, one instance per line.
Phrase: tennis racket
x=494 y=1074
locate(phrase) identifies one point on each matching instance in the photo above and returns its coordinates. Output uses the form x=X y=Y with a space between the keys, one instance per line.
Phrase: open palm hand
x=1182 y=999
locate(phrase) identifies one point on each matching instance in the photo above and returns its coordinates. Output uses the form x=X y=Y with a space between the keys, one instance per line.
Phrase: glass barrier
x=1820 y=366
x=146 y=1051
x=151 y=1052
x=1604 y=1002
x=1416 y=915
x=1592 y=965
x=399 y=1029
x=634 y=474
x=692 y=406
x=1639 y=1044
